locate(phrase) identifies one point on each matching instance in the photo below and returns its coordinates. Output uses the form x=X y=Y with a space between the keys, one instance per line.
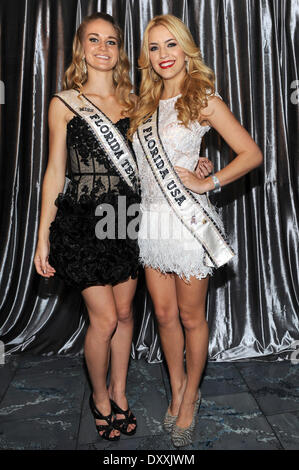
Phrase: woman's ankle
x=117 y=393
x=100 y=397
x=190 y=396
x=179 y=386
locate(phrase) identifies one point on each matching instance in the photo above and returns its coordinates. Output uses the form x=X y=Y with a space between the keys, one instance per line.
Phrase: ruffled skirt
x=166 y=244
x=80 y=258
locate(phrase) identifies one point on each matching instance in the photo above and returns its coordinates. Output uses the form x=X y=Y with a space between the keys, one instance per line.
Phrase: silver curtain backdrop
x=252 y=304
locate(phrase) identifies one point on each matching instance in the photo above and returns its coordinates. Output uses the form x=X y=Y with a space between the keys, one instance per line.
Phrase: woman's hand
x=53 y=182
x=41 y=260
x=204 y=167
x=191 y=181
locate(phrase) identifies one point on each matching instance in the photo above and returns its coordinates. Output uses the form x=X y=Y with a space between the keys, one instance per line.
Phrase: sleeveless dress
x=79 y=257
x=164 y=242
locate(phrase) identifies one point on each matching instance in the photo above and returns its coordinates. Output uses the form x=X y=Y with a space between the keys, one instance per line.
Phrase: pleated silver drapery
x=252 y=45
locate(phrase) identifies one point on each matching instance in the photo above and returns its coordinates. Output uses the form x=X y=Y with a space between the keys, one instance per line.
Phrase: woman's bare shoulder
x=58 y=111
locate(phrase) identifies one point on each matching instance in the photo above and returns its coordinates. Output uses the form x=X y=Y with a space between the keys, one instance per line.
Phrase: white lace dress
x=165 y=244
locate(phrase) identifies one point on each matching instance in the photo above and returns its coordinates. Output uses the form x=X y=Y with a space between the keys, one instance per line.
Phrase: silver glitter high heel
x=183 y=436
x=169 y=421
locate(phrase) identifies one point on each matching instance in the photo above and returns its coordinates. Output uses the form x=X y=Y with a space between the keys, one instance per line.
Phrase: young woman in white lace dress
x=178 y=105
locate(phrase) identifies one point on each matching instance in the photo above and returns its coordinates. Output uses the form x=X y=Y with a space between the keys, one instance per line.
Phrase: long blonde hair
x=76 y=74
x=195 y=87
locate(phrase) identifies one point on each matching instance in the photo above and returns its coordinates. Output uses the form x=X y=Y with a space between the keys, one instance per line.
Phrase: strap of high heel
x=107 y=428
x=122 y=423
x=118 y=410
x=97 y=414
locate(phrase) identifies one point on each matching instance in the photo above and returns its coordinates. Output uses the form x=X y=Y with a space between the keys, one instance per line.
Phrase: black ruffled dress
x=79 y=256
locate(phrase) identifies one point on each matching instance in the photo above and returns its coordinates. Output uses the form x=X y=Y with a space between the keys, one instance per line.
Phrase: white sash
x=186 y=207
x=106 y=133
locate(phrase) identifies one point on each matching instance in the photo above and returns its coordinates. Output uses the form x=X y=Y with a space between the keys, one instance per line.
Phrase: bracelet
x=216 y=182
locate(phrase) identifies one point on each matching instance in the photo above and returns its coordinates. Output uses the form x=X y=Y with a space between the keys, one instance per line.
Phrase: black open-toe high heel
x=122 y=424
x=107 y=428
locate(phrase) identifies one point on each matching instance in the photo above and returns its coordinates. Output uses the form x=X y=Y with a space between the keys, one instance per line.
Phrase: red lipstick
x=169 y=62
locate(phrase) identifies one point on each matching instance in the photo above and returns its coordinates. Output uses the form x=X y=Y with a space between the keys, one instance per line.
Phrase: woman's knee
x=125 y=313
x=103 y=325
x=166 y=315
x=192 y=318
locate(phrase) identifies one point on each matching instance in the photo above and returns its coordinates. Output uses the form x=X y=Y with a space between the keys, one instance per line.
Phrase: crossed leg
x=162 y=289
x=180 y=311
x=121 y=345
x=191 y=302
x=110 y=330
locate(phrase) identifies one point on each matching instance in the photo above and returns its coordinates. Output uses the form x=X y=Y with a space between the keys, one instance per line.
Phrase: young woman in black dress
x=100 y=163
x=97 y=96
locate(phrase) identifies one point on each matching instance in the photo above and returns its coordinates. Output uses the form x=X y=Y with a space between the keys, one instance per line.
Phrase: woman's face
x=100 y=45
x=166 y=55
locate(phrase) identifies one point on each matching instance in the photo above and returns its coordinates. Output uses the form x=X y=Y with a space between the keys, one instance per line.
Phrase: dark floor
x=245 y=405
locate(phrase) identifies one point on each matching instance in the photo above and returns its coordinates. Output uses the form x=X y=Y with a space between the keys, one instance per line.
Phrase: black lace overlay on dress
x=79 y=257
x=90 y=170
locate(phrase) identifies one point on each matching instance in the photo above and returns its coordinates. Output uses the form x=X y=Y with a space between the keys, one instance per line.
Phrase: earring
x=83 y=67
x=187 y=64
x=150 y=72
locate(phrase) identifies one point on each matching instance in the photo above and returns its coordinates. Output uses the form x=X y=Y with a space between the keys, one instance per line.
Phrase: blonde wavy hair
x=197 y=85
x=76 y=74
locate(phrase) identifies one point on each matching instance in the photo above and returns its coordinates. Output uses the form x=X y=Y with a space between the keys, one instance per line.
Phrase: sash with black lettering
x=106 y=133
x=187 y=208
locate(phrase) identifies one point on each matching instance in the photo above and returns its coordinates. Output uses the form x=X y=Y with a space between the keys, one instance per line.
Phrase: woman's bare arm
x=249 y=155
x=53 y=181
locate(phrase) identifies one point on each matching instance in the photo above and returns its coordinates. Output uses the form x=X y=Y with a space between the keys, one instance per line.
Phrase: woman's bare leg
x=191 y=301
x=163 y=293
x=101 y=308
x=121 y=344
